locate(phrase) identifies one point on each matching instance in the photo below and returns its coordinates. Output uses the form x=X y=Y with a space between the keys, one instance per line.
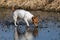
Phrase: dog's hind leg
x=15 y=20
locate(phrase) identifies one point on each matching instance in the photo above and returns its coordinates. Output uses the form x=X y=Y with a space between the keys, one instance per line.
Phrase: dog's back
x=23 y=14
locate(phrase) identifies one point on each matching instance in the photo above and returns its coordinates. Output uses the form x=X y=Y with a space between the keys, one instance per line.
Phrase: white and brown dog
x=26 y=16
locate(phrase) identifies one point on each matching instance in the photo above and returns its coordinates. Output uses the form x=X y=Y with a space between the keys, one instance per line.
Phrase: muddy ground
x=48 y=27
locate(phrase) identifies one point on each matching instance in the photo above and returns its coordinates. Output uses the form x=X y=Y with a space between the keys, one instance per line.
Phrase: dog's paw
x=16 y=25
x=28 y=28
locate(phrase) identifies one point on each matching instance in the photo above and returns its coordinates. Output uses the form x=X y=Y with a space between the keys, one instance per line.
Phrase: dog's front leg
x=26 y=22
x=28 y=28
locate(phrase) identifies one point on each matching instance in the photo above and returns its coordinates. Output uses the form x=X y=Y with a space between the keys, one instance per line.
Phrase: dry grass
x=53 y=5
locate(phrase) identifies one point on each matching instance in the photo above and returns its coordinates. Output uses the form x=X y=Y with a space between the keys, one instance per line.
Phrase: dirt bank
x=50 y=5
x=6 y=14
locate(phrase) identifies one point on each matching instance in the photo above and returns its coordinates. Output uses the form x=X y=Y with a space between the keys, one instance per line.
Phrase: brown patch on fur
x=35 y=20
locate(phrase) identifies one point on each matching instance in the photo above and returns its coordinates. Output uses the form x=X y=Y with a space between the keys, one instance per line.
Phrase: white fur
x=23 y=14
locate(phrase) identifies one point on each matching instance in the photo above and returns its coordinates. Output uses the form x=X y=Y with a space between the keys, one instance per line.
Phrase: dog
x=26 y=16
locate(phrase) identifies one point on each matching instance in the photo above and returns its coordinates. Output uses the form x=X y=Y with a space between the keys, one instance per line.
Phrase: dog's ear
x=34 y=17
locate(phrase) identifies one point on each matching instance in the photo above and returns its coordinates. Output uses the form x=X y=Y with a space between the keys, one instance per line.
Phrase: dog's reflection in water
x=27 y=35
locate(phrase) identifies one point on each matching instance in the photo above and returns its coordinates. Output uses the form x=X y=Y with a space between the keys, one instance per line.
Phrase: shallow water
x=48 y=27
x=51 y=31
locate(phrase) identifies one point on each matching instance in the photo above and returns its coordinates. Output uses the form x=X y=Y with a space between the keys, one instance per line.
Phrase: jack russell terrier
x=26 y=16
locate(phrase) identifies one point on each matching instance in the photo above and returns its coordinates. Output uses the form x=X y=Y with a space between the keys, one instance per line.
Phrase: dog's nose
x=33 y=22
x=36 y=27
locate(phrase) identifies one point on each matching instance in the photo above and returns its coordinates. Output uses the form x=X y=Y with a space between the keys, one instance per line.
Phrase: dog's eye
x=32 y=20
x=35 y=22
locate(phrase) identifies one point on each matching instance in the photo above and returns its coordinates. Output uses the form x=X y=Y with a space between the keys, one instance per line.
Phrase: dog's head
x=35 y=20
